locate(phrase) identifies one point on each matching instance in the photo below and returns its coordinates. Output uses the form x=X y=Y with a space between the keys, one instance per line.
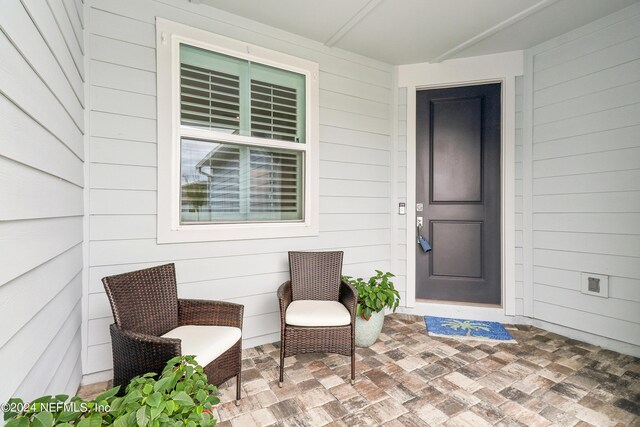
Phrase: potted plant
x=181 y=395
x=374 y=296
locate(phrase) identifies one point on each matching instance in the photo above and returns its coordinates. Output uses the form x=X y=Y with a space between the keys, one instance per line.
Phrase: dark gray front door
x=458 y=184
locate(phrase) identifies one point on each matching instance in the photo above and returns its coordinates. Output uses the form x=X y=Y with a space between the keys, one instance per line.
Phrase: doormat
x=467 y=329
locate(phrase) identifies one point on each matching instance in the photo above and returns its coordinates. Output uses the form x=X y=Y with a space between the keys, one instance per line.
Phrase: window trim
x=169 y=35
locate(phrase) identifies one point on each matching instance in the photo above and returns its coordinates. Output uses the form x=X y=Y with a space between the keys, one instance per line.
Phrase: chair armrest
x=209 y=312
x=284 y=297
x=136 y=354
x=145 y=340
x=349 y=297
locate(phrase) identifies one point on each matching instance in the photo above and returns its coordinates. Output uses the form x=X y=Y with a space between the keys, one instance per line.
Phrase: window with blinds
x=226 y=178
x=238 y=139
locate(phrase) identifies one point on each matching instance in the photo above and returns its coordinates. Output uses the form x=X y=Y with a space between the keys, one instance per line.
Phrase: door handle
x=421 y=240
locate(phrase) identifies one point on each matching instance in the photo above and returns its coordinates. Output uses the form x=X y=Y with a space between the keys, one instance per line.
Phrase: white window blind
x=273 y=111
x=232 y=95
x=209 y=98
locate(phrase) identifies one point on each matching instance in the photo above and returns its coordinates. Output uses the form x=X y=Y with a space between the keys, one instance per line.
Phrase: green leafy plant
x=180 y=396
x=375 y=294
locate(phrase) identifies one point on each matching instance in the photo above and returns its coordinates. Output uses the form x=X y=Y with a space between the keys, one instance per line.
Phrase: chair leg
x=238 y=388
x=281 y=362
x=353 y=354
x=353 y=367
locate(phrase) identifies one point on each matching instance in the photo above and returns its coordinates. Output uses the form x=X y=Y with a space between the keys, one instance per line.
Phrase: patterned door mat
x=467 y=329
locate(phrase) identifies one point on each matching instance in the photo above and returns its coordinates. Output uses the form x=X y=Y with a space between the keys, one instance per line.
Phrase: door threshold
x=460 y=303
x=459 y=310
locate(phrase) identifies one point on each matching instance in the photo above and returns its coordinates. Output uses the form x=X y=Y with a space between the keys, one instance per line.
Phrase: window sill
x=222 y=232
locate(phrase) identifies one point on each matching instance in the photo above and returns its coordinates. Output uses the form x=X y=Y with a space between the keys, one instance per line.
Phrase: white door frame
x=502 y=68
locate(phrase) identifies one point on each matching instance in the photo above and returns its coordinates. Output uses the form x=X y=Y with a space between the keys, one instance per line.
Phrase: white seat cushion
x=317 y=313
x=205 y=342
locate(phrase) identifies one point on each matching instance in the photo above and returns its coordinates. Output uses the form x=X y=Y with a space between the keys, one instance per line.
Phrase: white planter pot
x=368 y=331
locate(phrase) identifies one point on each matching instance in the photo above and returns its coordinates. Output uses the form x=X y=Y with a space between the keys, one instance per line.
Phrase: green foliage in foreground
x=375 y=294
x=180 y=396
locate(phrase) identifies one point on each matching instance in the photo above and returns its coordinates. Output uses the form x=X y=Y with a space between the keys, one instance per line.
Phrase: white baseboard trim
x=262 y=339
x=497 y=315
x=604 y=342
x=96 y=377
x=449 y=310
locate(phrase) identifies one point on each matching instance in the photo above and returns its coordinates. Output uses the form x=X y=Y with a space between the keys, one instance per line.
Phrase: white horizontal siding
x=25 y=88
x=575 y=318
x=122 y=202
x=115 y=101
x=618 y=202
x=108 y=252
x=355 y=169
x=122 y=152
x=586 y=175
x=16 y=21
x=28 y=291
x=50 y=196
x=45 y=328
x=34 y=146
x=591 y=83
x=41 y=186
x=63 y=350
x=114 y=51
x=51 y=27
x=607 y=35
x=104 y=74
x=617 y=139
x=589 y=222
x=579 y=164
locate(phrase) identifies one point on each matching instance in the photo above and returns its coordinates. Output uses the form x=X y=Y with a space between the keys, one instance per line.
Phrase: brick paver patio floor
x=410 y=379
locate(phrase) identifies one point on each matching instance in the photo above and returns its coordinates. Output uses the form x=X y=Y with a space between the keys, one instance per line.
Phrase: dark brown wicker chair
x=145 y=305
x=316 y=276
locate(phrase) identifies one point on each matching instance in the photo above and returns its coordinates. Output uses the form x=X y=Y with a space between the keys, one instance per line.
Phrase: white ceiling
x=413 y=31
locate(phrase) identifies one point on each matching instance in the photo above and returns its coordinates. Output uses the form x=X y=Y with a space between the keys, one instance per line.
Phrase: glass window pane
x=275 y=184
x=223 y=182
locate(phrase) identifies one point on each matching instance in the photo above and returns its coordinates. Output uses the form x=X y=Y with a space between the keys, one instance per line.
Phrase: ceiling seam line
x=352 y=22
x=495 y=29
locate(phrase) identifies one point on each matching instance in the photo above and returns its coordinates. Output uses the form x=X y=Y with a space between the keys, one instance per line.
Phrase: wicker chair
x=152 y=325
x=317 y=308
